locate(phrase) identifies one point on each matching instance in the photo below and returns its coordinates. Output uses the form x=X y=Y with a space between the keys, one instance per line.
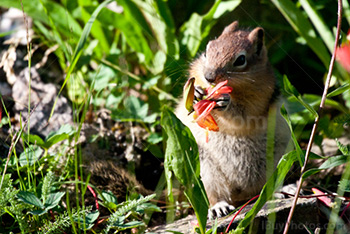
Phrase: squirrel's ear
x=257 y=38
x=231 y=28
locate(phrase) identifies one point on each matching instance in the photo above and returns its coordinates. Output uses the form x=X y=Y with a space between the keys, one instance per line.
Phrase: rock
x=305 y=215
x=42 y=98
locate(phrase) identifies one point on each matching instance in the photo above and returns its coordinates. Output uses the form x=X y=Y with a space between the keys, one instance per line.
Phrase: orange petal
x=203 y=108
x=208 y=123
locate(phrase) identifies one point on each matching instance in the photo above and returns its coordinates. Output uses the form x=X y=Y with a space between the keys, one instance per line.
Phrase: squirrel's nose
x=210 y=76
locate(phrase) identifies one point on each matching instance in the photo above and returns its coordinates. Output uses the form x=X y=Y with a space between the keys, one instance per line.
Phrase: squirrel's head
x=235 y=53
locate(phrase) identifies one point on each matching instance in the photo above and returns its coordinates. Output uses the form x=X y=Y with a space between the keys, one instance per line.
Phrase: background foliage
x=131 y=58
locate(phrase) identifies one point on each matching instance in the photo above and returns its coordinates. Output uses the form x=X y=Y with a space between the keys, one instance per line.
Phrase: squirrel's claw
x=220 y=209
x=199 y=92
x=222 y=102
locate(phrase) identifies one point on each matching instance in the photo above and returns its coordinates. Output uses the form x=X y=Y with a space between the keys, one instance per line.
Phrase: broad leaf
x=181 y=158
x=53 y=199
x=55 y=139
x=30 y=155
x=135 y=110
x=90 y=219
x=30 y=198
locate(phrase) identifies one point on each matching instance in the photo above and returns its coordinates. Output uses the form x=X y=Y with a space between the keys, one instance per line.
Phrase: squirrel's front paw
x=199 y=94
x=220 y=209
x=222 y=102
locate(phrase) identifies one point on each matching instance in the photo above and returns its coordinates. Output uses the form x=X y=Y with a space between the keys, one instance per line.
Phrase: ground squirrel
x=233 y=162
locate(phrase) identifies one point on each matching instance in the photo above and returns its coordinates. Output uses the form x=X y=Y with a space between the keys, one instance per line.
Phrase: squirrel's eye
x=240 y=61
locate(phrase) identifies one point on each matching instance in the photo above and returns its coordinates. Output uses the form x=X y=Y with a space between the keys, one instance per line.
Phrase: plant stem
x=313 y=132
x=14 y=141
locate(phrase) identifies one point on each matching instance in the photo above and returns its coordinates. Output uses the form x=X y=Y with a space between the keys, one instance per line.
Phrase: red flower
x=215 y=92
x=203 y=108
x=203 y=117
x=324 y=199
x=343 y=56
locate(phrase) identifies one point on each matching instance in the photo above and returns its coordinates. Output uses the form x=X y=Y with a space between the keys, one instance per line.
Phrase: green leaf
x=147 y=207
x=34 y=139
x=272 y=184
x=301 y=156
x=35 y=10
x=90 y=219
x=319 y=23
x=135 y=110
x=30 y=198
x=154 y=138
x=303 y=27
x=118 y=217
x=67 y=129
x=345 y=185
x=97 y=31
x=56 y=136
x=198 y=27
x=290 y=89
x=102 y=77
x=181 y=158
x=131 y=224
x=134 y=27
x=151 y=82
x=345 y=87
x=30 y=155
x=109 y=197
x=55 y=139
x=331 y=162
x=344 y=149
x=160 y=20
x=315 y=100
x=79 y=48
x=53 y=199
x=113 y=101
x=38 y=212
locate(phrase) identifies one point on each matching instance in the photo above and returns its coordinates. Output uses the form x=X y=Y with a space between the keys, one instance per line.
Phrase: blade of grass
x=14 y=141
x=271 y=185
x=79 y=48
x=97 y=32
x=313 y=132
x=29 y=51
x=318 y=22
x=54 y=30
